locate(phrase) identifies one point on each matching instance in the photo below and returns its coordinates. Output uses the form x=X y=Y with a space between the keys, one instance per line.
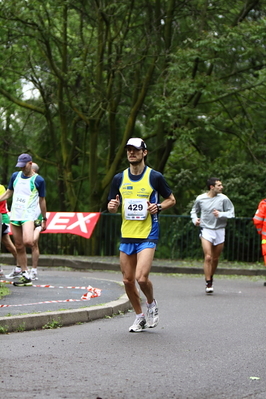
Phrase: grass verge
x=3 y=290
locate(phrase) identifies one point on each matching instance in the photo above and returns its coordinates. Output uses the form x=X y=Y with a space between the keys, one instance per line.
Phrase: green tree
x=189 y=77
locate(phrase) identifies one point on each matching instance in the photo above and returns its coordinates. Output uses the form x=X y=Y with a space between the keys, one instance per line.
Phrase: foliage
x=53 y=324
x=3 y=329
x=3 y=290
x=21 y=327
x=188 y=77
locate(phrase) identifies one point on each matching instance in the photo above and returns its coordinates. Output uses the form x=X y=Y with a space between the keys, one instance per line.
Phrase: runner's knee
x=29 y=243
x=208 y=258
x=142 y=280
x=128 y=282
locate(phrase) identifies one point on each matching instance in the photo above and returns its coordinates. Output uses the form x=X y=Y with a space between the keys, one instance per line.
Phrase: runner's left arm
x=160 y=184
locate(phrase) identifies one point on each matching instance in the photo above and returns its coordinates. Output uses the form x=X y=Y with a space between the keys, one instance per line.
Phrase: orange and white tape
x=91 y=293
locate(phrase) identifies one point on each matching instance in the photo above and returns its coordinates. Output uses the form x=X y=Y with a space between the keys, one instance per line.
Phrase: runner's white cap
x=137 y=143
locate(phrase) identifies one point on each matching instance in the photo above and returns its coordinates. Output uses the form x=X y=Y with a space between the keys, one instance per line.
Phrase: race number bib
x=135 y=209
x=20 y=202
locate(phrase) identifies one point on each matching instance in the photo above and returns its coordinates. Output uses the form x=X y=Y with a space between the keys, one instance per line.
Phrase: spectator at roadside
x=259 y=221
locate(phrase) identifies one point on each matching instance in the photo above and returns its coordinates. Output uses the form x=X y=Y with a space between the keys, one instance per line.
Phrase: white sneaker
x=209 y=290
x=138 y=325
x=14 y=273
x=33 y=275
x=209 y=287
x=152 y=315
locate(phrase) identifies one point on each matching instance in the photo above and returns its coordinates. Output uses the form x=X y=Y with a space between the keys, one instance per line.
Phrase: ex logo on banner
x=78 y=223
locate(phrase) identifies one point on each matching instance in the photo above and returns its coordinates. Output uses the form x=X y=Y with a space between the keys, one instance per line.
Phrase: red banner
x=79 y=223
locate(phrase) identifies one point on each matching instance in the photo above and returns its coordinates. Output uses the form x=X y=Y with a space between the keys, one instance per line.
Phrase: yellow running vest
x=136 y=221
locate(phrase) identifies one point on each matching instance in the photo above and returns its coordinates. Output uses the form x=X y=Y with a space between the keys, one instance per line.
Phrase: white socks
x=150 y=305
x=26 y=274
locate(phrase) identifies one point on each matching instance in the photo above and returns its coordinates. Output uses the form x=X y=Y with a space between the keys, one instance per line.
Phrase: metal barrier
x=179 y=239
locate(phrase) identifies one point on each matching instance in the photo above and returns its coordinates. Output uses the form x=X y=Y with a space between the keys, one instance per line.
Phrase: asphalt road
x=210 y=347
x=58 y=289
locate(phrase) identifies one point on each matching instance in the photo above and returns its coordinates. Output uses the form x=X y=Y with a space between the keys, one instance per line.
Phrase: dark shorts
x=5 y=229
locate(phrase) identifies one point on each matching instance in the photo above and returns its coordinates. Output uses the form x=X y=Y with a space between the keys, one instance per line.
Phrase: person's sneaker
x=33 y=275
x=14 y=274
x=23 y=281
x=152 y=315
x=138 y=325
x=209 y=287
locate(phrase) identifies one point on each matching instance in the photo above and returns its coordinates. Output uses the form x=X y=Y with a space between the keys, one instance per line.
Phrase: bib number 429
x=136 y=209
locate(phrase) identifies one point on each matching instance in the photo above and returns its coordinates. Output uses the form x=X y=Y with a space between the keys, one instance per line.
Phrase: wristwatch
x=159 y=207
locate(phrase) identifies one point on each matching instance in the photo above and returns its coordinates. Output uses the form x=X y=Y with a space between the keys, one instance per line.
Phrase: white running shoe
x=152 y=315
x=138 y=325
x=33 y=275
x=209 y=287
x=14 y=274
x=209 y=290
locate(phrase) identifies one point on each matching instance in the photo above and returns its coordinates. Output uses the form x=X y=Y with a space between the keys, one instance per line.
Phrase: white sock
x=18 y=269
x=26 y=274
x=150 y=305
x=34 y=269
x=140 y=315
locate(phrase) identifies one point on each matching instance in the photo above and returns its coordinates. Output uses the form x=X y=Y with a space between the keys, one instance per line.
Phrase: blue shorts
x=134 y=248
